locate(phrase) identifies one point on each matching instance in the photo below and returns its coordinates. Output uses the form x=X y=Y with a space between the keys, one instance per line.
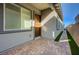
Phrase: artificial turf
x=73 y=46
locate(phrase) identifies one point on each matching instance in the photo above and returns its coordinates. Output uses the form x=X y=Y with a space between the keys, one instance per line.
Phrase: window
x=12 y=17
x=17 y=18
x=26 y=19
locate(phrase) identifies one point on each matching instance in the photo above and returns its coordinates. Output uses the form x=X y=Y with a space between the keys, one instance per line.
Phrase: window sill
x=16 y=31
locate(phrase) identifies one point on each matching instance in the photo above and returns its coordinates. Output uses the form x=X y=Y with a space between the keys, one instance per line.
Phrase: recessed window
x=17 y=18
x=12 y=17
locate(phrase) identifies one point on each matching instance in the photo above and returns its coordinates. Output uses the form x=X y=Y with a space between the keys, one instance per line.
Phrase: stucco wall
x=49 y=29
x=13 y=39
x=45 y=13
x=74 y=31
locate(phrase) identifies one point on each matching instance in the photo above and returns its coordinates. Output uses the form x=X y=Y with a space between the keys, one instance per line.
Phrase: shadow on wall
x=59 y=36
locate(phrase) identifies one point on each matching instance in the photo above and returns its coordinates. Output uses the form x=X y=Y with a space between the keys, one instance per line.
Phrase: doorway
x=37 y=25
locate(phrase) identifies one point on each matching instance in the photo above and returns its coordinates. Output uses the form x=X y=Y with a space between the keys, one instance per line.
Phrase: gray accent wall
x=49 y=29
x=13 y=39
x=9 y=40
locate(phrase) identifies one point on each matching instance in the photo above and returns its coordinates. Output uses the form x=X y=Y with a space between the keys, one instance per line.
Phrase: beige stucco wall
x=49 y=23
x=74 y=30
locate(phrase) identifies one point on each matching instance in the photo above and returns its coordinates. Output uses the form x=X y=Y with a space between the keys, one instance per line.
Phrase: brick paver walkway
x=40 y=46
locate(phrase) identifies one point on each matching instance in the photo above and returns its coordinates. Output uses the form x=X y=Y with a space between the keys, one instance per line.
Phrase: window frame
x=16 y=30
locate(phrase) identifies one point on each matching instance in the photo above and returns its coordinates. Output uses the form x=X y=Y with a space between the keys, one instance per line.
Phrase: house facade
x=23 y=22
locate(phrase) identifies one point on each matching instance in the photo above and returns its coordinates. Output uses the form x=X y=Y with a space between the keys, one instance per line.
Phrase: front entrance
x=37 y=25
